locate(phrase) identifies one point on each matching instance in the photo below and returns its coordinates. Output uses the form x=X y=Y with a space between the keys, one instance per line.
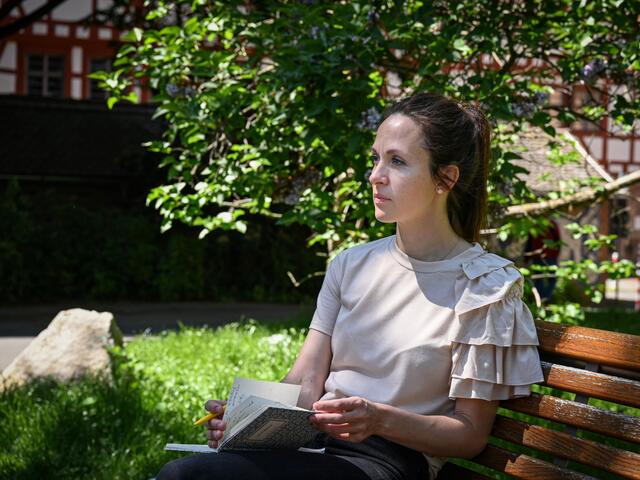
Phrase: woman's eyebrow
x=390 y=151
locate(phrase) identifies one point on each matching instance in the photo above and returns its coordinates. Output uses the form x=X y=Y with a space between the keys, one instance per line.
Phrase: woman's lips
x=378 y=199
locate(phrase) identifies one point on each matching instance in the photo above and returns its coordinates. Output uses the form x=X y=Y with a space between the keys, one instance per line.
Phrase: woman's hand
x=352 y=419
x=215 y=427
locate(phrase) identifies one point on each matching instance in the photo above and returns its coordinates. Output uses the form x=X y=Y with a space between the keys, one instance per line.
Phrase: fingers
x=331 y=415
x=215 y=406
x=215 y=435
x=214 y=432
x=352 y=418
x=340 y=404
x=329 y=418
x=216 y=424
x=359 y=414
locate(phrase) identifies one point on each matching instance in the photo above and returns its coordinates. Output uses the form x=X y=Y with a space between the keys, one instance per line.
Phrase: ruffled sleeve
x=493 y=339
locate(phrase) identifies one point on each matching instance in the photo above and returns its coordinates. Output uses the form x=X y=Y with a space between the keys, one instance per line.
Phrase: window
x=98 y=65
x=45 y=75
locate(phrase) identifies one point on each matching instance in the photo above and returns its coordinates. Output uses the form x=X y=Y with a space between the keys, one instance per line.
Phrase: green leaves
x=273 y=109
x=460 y=45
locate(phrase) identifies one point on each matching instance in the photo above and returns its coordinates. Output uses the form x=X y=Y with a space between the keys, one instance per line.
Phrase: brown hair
x=458 y=134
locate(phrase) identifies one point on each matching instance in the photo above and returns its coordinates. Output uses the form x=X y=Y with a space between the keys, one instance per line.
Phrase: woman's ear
x=449 y=175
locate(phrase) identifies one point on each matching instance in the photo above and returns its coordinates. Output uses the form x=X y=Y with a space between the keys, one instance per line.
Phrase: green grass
x=93 y=429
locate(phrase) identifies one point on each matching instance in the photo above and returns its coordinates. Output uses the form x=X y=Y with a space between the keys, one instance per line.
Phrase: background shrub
x=59 y=245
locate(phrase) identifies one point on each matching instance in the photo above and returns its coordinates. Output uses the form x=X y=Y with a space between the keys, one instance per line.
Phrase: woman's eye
x=397 y=161
x=374 y=159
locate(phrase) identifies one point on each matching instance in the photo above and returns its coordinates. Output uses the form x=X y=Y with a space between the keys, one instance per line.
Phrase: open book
x=260 y=415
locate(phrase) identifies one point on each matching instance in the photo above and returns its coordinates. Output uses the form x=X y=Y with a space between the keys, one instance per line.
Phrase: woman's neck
x=428 y=242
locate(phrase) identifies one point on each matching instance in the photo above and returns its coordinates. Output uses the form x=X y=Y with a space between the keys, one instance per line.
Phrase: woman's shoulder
x=365 y=250
x=487 y=278
x=484 y=263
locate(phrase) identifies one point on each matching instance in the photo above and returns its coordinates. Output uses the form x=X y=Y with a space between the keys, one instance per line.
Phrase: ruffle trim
x=503 y=323
x=515 y=365
x=493 y=339
x=488 y=372
x=485 y=390
x=483 y=264
x=489 y=278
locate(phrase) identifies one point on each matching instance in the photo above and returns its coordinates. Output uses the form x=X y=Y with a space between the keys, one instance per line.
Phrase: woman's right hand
x=216 y=426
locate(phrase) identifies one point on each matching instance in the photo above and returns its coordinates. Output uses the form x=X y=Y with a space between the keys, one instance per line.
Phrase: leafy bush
x=63 y=245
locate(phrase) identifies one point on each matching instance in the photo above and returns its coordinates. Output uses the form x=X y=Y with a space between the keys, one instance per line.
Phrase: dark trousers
x=373 y=459
x=259 y=465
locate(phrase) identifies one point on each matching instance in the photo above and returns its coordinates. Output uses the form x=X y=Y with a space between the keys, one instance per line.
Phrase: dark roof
x=46 y=137
x=544 y=175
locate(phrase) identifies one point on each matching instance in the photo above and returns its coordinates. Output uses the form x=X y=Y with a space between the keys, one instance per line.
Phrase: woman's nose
x=377 y=175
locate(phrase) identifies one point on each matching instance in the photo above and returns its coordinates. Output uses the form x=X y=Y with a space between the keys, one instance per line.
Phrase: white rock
x=74 y=344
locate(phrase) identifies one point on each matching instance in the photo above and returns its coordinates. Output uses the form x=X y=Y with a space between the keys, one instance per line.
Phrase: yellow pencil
x=208 y=417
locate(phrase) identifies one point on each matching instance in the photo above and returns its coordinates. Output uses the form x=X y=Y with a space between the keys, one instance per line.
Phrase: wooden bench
x=589 y=363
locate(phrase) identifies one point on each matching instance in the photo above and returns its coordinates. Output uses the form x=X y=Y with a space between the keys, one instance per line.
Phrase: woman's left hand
x=351 y=418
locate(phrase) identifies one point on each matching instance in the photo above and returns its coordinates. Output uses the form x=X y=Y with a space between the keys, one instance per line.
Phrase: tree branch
x=586 y=195
x=579 y=115
x=242 y=203
x=27 y=20
x=304 y=279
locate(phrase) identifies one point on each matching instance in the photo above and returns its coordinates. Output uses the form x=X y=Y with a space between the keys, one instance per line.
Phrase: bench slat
x=617 y=425
x=524 y=466
x=592 y=384
x=589 y=344
x=560 y=444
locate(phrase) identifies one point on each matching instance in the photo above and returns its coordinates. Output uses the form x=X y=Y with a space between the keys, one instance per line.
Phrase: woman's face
x=403 y=187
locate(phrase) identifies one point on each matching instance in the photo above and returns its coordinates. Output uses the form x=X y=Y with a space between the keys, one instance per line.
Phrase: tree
x=271 y=106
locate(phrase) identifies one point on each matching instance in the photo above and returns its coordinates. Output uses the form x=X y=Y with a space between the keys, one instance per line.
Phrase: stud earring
x=439 y=190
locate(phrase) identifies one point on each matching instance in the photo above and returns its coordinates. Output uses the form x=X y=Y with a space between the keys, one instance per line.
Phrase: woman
x=417 y=336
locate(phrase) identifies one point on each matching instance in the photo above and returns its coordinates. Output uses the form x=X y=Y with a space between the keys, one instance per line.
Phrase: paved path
x=18 y=325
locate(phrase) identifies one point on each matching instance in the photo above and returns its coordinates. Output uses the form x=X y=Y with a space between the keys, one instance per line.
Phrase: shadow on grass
x=89 y=429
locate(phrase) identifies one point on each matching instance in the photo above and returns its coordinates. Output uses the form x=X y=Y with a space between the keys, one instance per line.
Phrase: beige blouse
x=417 y=335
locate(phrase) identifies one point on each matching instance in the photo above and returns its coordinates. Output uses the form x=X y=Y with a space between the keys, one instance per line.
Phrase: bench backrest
x=592 y=364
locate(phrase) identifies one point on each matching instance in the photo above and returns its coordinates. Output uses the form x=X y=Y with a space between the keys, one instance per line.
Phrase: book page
x=245 y=411
x=189 y=447
x=242 y=388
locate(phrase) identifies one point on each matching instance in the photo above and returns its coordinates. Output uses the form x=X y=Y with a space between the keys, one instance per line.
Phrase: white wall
x=72 y=10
